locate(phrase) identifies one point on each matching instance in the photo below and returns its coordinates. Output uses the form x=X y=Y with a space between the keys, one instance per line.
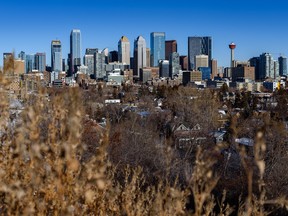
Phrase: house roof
x=245 y=141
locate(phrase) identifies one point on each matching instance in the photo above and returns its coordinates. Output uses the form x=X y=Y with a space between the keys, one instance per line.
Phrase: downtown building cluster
x=159 y=61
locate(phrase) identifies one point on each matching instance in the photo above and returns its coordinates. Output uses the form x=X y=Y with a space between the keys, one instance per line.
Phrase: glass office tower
x=198 y=46
x=282 y=66
x=75 y=51
x=157 y=46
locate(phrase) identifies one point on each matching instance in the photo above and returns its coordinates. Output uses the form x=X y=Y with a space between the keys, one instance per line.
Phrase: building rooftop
x=124 y=39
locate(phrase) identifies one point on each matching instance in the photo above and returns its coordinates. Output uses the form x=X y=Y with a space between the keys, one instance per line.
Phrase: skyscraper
x=89 y=60
x=148 y=64
x=106 y=54
x=214 y=69
x=170 y=47
x=99 y=64
x=75 y=51
x=124 y=50
x=255 y=62
x=139 y=55
x=29 y=63
x=56 y=55
x=276 y=69
x=282 y=66
x=174 y=64
x=63 y=65
x=40 y=62
x=157 y=45
x=198 y=46
x=266 y=66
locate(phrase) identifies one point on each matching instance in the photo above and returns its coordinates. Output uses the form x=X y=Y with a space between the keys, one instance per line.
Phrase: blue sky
x=256 y=26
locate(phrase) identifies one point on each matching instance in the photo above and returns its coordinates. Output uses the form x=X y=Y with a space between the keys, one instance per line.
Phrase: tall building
x=99 y=64
x=75 y=51
x=174 y=64
x=170 y=47
x=255 y=62
x=148 y=63
x=22 y=55
x=40 y=62
x=89 y=60
x=282 y=66
x=106 y=54
x=56 y=55
x=145 y=74
x=276 y=69
x=266 y=66
x=164 y=68
x=29 y=63
x=139 y=55
x=63 y=65
x=201 y=61
x=124 y=50
x=198 y=46
x=184 y=62
x=113 y=56
x=157 y=46
x=214 y=69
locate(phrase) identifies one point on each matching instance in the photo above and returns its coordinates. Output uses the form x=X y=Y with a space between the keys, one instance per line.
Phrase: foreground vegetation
x=56 y=160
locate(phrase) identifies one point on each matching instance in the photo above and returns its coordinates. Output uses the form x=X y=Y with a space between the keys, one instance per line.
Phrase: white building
x=139 y=55
x=124 y=50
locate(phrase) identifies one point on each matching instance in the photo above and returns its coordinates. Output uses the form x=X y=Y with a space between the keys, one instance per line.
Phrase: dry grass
x=42 y=171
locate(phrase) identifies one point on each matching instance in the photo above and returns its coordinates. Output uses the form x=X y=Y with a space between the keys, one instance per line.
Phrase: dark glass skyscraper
x=75 y=51
x=198 y=46
x=174 y=64
x=157 y=45
x=40 y=62
x=282 y=66
x=29 y=63
x=255 y=62
x=113 y=56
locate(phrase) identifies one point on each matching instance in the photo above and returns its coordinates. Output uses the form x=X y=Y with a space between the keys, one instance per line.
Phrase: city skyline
x=248 y=25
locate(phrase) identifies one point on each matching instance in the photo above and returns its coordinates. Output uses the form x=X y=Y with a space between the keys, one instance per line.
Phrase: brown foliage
x=43 y=169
